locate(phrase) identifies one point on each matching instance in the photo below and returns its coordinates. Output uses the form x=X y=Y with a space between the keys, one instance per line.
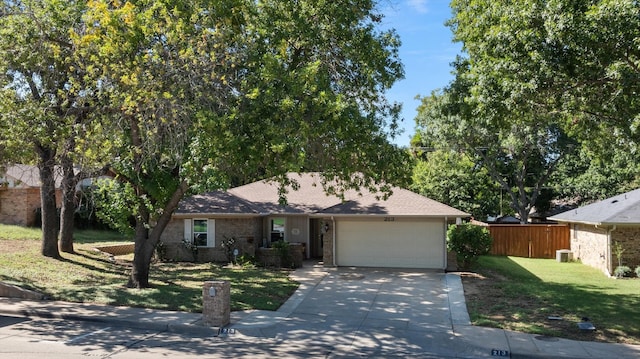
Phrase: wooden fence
x=528 y=240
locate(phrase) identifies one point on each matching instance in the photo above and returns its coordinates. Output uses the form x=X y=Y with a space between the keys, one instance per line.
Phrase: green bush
x=621 y=271
x=469 y=242
x=637 y=271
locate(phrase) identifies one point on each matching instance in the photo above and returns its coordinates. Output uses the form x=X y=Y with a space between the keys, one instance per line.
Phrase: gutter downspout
x=333 y=221
x=609 y=259
x=446 y=265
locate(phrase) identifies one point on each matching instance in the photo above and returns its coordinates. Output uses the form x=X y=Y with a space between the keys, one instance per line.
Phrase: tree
x=502 y=105
x=519 y=150
x=574 y=61
x=201 y=93
x=455 y=179
x=44 y=101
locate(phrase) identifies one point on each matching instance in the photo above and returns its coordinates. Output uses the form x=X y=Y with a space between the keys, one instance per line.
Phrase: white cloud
x=419 y=5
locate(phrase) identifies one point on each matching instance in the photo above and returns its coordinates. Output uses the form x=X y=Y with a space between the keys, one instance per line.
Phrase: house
x=20 y=194
x=597 y=228
x=406 y=230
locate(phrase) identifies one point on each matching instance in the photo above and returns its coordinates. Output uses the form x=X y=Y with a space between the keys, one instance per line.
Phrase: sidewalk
x=469 y=341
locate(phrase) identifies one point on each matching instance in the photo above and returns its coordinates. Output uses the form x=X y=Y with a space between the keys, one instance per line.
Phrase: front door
x=316 y=238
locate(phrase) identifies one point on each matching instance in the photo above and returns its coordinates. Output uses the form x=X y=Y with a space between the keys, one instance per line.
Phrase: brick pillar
x=327 y=245
x=216 y=303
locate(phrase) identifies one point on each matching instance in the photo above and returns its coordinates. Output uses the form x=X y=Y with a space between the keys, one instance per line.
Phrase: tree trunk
x=146 y=240
x=142 y=255
x=46 y=166
x=67 y=212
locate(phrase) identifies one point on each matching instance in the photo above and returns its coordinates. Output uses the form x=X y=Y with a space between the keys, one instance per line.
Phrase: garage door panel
x=402 y=244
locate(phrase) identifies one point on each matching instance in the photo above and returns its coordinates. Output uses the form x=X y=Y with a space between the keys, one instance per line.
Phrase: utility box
x=564 y=255
x=216 y=303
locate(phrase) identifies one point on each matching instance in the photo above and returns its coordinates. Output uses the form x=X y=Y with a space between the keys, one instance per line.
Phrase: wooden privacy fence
x=528 y=240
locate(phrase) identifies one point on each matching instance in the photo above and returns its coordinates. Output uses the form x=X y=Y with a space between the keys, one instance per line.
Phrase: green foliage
x=229 y=244
x=115 y=204
x=454 y=179
x=191 y=247
x=283 y=249
x=637 y=271
x=618 y=251
x=540 y=79
x=621 y=271
x=469 y=242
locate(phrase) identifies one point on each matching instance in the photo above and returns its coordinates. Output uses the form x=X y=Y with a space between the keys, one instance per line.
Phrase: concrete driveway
x=365 y=312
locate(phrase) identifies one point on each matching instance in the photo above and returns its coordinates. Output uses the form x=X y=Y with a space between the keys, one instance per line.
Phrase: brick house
x=406 y=230
x=20 y=194
x=598 y=227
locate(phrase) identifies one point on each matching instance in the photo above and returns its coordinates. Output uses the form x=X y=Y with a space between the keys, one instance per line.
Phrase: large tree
x=454 y=178
x=574 y=62
x=202 y=93
x=44 y=103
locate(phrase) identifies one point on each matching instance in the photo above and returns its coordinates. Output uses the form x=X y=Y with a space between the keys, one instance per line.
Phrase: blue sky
x=426 y=52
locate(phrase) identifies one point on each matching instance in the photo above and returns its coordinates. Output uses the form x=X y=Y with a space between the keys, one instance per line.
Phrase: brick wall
x=589 y=245
x=246 y=231
x=18 y=206
x=629 y=237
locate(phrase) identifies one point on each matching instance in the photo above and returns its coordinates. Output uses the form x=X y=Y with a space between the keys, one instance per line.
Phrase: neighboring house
x=20 y=194
x=406 y=230
x=598 y=227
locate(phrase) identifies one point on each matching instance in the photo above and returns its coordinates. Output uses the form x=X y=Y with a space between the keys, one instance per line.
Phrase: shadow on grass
x=524 y=299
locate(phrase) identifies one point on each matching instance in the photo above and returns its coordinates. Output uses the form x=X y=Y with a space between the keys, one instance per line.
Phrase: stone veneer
x=589 y=245
x=246 y=231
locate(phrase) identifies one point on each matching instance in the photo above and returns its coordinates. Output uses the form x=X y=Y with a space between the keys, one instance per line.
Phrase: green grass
x=89 y=276
x=521 y=293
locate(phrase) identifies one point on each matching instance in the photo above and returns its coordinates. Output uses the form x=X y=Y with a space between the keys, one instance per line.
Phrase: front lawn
x=90 y=276
x=522 y=293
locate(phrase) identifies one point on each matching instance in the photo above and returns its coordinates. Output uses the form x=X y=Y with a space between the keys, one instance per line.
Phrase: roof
x=402 y=202
x=620 y=209
x=218 y=202
x=310 y=198
x=21 y=176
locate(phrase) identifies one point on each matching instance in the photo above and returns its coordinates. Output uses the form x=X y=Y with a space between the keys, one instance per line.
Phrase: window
x=277 y=229
x=200 y=232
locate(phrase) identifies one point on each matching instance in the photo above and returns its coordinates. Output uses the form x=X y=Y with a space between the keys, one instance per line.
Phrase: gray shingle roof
x=620 y=209
x=401 y=203
x=310 y=198
x=218 y=202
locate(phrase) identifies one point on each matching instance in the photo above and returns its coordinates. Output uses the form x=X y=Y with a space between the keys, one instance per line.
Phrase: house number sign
x=389 y=219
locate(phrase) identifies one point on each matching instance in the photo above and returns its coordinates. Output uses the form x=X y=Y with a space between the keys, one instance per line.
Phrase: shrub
x=621 y=271
x=469 y=242
x=637 y=271
x=282 y=248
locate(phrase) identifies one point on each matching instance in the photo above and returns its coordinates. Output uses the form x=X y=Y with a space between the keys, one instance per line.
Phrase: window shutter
x=187 y=231
x=211 y=233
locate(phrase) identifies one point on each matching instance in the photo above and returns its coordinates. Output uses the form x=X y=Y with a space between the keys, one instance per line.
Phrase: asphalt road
x=25 y=338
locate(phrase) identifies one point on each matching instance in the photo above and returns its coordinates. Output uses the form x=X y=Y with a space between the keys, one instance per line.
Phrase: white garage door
x=399 y=244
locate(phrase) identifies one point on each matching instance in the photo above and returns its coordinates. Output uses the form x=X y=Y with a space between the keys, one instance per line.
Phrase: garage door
x=400 y=244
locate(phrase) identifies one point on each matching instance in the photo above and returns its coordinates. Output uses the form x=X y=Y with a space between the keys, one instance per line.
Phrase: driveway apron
x=368 y=311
